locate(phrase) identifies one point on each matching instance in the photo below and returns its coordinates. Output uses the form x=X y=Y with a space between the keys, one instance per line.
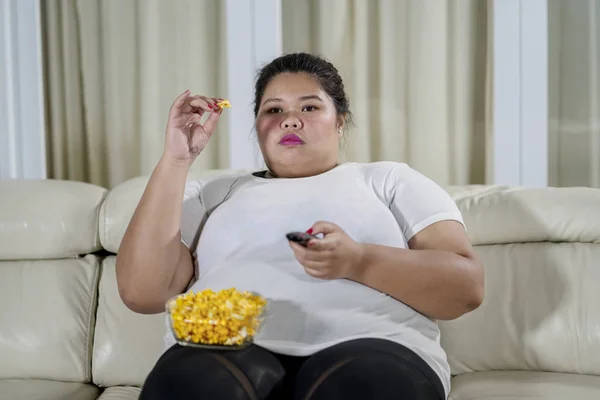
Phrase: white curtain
x=112 y=69
x=574 y=92
x=417 y=74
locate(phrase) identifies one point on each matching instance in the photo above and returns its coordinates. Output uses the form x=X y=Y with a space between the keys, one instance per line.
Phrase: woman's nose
x=291 y=122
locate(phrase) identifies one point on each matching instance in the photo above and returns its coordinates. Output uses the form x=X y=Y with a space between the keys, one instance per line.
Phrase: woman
x=352 y=314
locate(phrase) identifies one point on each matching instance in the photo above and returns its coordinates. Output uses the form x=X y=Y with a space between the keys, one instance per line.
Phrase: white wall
x=253 y=38
x=22 y=145
x=519 y=154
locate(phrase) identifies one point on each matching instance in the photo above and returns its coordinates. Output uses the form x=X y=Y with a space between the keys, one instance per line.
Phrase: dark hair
x=326 y=74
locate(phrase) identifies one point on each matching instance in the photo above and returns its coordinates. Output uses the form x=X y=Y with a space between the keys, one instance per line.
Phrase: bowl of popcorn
x=226 y=319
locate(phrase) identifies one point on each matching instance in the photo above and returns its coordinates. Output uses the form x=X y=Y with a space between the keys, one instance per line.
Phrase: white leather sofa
x=66 y=335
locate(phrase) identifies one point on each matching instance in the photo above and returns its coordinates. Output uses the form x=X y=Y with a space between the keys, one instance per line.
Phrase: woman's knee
x=359 y=374
x=184 y=372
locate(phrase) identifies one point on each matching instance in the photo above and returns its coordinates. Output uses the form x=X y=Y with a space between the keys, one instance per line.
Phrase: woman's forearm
x=151 y=249
x=439 y=284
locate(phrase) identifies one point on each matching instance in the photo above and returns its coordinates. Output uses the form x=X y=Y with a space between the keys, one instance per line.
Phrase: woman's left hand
x=335 y=256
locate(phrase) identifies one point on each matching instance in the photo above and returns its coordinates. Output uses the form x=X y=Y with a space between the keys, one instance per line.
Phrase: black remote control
x=301 y=238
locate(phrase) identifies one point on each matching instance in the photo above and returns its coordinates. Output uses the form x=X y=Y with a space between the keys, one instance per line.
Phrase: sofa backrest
x=541 y=251
x=48 y=278
x=64 y=319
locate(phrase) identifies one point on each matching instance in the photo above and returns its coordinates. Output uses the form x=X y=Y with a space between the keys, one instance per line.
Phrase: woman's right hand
x=186 y=137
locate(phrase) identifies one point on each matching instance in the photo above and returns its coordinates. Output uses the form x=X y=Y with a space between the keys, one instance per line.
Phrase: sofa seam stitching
x=97 y=233
x=88 y=368
x=94 y=302
x=102 y=216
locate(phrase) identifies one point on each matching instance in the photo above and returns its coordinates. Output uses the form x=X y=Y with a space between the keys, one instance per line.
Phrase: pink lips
x=290 y=140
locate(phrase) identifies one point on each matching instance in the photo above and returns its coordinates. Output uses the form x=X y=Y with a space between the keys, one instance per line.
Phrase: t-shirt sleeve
x=418 y=202
x=193 y=214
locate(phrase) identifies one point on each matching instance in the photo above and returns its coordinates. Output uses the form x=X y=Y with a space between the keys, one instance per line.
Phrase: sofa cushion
x=497 y=214
x=522 y=385
x=48 y=219
x=540 y=311
x=126 y=344
x=47 y=314
x=35 y=389
x=120 y=393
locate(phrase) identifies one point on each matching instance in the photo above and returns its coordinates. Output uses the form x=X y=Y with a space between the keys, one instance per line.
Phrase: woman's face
x=298 y=126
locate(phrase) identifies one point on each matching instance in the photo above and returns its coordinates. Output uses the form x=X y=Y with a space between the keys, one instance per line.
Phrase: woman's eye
x=274 y=110
x=309 y=108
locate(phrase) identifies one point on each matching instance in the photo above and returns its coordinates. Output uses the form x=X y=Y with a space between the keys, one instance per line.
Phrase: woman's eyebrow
x=302 y=98
x=273 y=100
x=311 y=97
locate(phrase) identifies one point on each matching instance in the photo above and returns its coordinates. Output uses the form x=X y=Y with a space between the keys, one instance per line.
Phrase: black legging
x=359 y=369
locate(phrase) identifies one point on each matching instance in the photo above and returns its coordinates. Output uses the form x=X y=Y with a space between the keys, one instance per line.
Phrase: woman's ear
x=340 y=124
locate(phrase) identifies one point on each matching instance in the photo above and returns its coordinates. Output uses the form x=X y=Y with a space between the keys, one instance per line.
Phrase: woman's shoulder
x=387 y=177
x=216 y=188
x=217 y=178
x=384 y=170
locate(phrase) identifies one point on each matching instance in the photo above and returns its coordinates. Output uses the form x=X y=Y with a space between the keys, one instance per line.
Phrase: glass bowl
x=225 y=320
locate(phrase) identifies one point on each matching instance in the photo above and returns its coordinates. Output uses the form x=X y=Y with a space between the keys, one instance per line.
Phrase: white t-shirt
x=236 y=227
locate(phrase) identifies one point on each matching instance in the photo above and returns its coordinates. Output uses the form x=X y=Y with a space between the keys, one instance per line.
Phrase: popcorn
x=224 y=104
x=225 y=318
